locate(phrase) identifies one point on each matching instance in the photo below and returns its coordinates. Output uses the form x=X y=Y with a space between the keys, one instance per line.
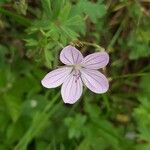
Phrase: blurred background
x=32 y=34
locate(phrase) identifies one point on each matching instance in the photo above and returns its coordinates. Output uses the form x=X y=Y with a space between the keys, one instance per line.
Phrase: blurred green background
x=32 y=34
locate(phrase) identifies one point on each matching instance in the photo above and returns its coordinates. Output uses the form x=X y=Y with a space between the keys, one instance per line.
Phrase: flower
x=78 y=71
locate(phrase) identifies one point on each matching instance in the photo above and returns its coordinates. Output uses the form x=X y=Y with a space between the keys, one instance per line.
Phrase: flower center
x=77 y=75
x=77 y=67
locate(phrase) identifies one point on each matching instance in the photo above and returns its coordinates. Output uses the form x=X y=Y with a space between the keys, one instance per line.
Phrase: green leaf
x=75 y=125
x=48 y=58
x=15 y=131
x=84 y=145
x=31 y=42
x=23 y=21
x=64 y=13
x=92 y=109
x=138 y=43
x=39 y=122
x=46 y=4
x=13 y=106
x=56 y=5
x=70 y=33
x=93 y=10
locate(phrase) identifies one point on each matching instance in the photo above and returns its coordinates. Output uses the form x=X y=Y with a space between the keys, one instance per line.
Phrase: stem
x=92 y=44
x=115 y=37
x=51 y=103
x=40 y=119
x=130 y=75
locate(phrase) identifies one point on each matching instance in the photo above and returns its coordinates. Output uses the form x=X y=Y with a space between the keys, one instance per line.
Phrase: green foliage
x=32 y=33
x=142 y=114
x=139 y=40
x=75 y=125
x=139 y=45
x=93 y=10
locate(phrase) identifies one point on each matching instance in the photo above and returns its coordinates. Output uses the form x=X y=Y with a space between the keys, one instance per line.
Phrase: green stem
x=130 y=75
x=52 y=102
x=40 y=120
x=115 y=37
x=93 y=44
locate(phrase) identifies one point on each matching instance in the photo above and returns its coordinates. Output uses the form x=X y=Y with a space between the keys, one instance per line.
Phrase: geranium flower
x=78 y=71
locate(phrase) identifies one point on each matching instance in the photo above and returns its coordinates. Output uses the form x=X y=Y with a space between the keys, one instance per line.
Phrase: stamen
x=77 y=76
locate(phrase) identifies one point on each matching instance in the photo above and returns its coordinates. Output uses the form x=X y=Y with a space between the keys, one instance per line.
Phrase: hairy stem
x=129 y=75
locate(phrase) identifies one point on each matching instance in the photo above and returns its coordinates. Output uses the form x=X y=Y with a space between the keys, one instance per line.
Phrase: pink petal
x=56 y=77
x=94 y=80
x=70 y=55
x=71 y=89
x=96 y=60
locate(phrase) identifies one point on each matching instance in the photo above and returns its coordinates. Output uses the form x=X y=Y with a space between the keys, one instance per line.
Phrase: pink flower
x=78 y=71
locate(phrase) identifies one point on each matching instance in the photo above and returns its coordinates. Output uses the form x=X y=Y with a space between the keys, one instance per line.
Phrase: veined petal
x=56 y=77
x=96 y=60
x=70 y=55
x=94 y=80
x=71 y=89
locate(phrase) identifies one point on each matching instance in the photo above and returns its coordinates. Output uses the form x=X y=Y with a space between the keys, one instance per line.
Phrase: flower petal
x=94 y=80
x=71 y=89
x=70 y=55
x=96 y=60
x=56 y=77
